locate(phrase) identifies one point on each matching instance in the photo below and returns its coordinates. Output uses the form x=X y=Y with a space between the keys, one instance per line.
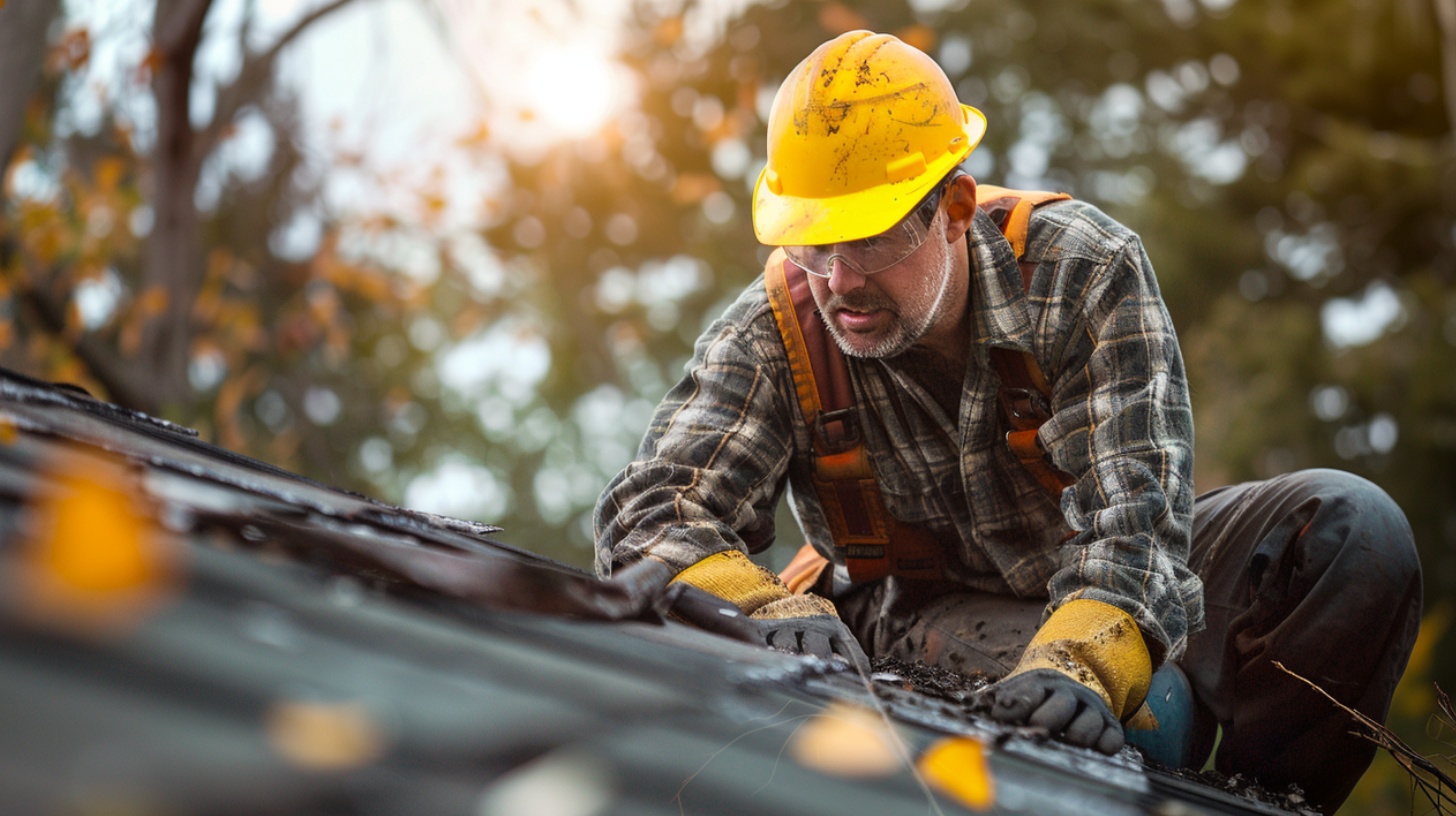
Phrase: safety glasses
x=876 y=253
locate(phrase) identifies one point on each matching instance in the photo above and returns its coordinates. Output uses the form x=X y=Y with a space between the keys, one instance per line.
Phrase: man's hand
x=1085 y=671
x=823 y=636
x=1051 y=700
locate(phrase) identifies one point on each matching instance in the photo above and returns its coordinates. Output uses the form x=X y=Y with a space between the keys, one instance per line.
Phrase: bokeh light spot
x=572 y=90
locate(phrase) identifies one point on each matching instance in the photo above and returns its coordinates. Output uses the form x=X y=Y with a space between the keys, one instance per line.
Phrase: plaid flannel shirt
x=725 y=441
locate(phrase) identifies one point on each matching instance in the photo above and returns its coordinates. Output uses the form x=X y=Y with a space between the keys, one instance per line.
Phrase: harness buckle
x=845 y=437
x=1026 y=405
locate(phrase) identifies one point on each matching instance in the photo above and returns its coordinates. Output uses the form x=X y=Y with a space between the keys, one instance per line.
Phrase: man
x=1075 y=590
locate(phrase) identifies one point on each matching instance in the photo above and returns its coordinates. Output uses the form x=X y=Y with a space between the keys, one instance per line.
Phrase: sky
x=395 y=81
x=404 y=76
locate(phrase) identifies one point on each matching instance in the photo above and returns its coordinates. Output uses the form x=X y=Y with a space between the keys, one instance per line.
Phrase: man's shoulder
x=1067 y=230
x=751 y=309
x=747 y=321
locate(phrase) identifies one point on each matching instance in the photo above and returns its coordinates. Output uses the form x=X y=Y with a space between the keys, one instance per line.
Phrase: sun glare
x=572 y=91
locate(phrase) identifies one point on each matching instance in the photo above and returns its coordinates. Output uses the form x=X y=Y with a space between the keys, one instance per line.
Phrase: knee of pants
x=1359 y=517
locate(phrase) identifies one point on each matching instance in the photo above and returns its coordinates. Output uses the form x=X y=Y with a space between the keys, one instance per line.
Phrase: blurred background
x=449 y=254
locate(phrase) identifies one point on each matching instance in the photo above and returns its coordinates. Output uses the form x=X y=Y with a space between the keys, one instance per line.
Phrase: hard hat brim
x=785 y=220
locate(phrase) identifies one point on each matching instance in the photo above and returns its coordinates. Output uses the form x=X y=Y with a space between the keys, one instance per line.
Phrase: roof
x=286 y=647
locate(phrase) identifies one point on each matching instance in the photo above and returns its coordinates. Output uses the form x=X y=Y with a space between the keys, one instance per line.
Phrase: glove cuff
x=795 y=606
x=1099 y=646
x=734 y=578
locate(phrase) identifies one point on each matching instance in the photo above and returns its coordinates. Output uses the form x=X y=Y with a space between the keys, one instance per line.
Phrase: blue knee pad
x=1180 y=740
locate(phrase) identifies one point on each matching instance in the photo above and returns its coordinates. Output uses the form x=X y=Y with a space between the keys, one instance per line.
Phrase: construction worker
x=999 y=478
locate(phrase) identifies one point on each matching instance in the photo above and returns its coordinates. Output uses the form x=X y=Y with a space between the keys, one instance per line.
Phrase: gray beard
x=898 y=341
x=901 y=336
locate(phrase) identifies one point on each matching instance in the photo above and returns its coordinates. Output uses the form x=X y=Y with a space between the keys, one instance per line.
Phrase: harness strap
x=1025 y=392
x=849 y=494
x=1011 y=210
x=874 y=544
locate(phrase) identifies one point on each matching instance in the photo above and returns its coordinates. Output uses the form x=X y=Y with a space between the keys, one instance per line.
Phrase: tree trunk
x=1446 y=17
x=173 y=263
x=23 y=42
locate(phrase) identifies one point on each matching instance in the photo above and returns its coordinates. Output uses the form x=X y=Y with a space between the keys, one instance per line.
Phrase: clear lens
x=875 y=253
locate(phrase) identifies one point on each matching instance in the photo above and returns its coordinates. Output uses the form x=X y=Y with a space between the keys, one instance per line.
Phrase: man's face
x=885 y=313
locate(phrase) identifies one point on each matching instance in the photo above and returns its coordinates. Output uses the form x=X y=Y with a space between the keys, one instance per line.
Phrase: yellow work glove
x=756 y=591
x=1099 y=646
x=806 y=623
x=1086 y=670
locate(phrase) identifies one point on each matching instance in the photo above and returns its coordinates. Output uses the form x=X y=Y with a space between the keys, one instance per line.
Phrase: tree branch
x=257 y=68
x=22 y=53
x=267 y=57
x=1439 y=793
x=171 y=261
x=179 y=22
x=103 y=364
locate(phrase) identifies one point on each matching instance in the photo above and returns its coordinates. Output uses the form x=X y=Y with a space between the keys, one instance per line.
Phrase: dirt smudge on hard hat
x=864 y=75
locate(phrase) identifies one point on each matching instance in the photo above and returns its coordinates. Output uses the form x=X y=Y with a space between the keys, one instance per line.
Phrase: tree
x=173 y=259
x=23 y=34
x=154 y=378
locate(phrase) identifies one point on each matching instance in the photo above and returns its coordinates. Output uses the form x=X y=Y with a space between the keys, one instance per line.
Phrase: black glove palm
x=823 y=636
x=1051 y=700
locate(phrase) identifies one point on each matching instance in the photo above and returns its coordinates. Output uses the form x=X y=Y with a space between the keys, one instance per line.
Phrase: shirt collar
x=998 y=303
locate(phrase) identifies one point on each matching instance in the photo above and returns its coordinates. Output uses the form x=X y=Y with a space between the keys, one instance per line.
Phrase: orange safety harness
x=874 y=544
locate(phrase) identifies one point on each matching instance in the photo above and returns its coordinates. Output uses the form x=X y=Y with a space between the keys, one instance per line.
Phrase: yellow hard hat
x=859 y=132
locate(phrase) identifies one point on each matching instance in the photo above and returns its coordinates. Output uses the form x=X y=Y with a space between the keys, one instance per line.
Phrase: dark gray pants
x=1315 y=569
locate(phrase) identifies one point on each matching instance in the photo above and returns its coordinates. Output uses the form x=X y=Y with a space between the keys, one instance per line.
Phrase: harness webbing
x=1025 y=394
x=873 y=543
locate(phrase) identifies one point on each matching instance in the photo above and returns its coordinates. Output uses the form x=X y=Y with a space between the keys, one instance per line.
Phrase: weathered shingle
x=315 y=651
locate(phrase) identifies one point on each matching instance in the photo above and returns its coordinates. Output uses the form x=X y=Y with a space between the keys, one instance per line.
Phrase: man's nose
x=843 y=277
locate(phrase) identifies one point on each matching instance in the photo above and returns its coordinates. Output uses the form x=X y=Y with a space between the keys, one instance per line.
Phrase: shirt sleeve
x=712 y=465
x=1123 y=427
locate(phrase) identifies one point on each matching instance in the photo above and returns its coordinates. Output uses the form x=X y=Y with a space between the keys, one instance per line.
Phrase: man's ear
x=960 y=207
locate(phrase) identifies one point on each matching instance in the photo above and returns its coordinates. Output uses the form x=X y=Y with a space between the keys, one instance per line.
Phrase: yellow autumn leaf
x=94 y=559
x=109 y=171
x=72 y=52
x=324 y=736
x=919 y=35
x=957 y=767
x=152 y=302
x=476 y=138
x=668 y=31
x=847 y=740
